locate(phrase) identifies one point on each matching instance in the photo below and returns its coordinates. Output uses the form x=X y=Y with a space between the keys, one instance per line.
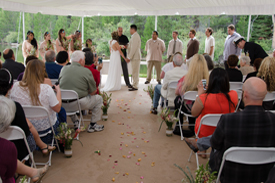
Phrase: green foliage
x=11 y=37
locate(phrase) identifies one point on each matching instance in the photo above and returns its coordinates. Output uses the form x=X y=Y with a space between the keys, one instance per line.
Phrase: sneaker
x=100 y=126
x=154 y=111
x=76 y=125
x=94 y=128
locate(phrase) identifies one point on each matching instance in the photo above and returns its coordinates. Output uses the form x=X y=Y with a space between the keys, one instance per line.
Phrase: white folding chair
x=54 y=81
x=248 y=156
x=36 y=112
x=190 y=95
x=16 y=133
x=235 y=85
x=68 y=96
x=171 y=88
x=239 y=92
x=208 y=120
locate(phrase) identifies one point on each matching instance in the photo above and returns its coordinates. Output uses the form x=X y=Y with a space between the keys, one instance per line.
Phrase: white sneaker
x=94 y=128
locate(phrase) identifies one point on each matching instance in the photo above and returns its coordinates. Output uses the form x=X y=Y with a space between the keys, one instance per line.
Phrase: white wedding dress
x=114 y=74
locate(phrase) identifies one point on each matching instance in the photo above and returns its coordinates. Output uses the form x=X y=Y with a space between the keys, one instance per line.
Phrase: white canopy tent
x=141 y=7
x=83 y=8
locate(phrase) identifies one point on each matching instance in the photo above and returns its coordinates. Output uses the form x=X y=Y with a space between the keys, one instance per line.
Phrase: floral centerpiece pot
x=66 y=139
x=169 y=120
x=106 y=104
x=150 y=91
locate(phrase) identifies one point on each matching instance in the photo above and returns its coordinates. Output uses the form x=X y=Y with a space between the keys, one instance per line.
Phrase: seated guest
x=62 y=58
x=53 y=69
x=9 y=164
x=89 y=57
x=32 y=91
x=172 y=75
x=217 y=99
x=6 y=82
x=256 y=66
x=29 y=58
x=245 y=65
x=169 y=66
x=252 y=127
x=14 y=67
x=80 y=79
x=209 y=62
x=197 y=71
x=233 y=73
x=267 y=73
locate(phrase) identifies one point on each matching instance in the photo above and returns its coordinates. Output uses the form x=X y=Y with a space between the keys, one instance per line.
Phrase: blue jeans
x=157 y=95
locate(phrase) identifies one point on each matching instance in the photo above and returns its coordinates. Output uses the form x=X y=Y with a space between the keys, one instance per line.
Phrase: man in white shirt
x=155 y=48
x=175 y=45
x=209 y=43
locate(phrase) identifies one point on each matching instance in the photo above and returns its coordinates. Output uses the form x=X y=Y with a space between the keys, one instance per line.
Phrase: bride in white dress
x=114 y=74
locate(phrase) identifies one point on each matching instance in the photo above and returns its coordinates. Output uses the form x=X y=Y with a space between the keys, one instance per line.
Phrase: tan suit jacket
x=134 y=47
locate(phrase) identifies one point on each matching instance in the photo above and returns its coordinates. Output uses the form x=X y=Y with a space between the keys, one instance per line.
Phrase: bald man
x=10 y=64
x=253 y=127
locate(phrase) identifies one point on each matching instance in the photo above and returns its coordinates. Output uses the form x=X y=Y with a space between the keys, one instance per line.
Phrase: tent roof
x=141 y=7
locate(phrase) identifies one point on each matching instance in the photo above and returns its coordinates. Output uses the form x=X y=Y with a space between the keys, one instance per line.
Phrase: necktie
x=174 y=48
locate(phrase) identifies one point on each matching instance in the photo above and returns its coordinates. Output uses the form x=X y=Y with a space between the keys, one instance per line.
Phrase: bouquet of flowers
x=66 y=43
x=48 y=47
x=150 y=91
x=32 y=51
x=77 y=45
x=23 y=180
x=203 y=175
x=106 y=102
x=65 y=135
x=167 y=118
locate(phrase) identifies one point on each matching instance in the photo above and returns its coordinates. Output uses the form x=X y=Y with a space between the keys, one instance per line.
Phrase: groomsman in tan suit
x=174 y=46
x=155 y=48
x=134 y=55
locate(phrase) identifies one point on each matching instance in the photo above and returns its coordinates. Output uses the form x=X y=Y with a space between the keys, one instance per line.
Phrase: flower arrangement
x=23 y=180
x=77 y=45
x=32 y=51
x=106 y=102
x=65 y=135
x=167 y=118
x=150 y=91
x=203 y=175
x=66 y=43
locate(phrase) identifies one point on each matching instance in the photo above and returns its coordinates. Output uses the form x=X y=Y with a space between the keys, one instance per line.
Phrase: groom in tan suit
x=134 y=55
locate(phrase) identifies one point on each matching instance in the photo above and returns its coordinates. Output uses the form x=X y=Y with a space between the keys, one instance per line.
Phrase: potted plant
x=150 y=92
x=106 y=104
x=203 y=175
x=66 y=139
x=168 y=119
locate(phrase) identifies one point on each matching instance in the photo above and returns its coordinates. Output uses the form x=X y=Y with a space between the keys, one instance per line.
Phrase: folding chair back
x=54 y=81
x=248 y=156
x=239 y=92
x=36 y=112
x=270 y=96
x=236 y=85
x=16 y=133
x=171 y=88
x=69 y=96
x=190 y=95
x=209 y=120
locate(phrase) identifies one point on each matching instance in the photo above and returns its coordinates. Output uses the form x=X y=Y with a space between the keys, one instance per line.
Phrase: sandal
x=40 y=173
x=48 y=150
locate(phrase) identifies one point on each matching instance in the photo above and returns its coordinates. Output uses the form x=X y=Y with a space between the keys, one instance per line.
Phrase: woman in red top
x=217 y=99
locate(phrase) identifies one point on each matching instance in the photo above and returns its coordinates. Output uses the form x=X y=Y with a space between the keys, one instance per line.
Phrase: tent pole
x=82 y=30
x=17 y=45
x=156 y=22
x=248 y=31
x=273 y=20
x=23 y=26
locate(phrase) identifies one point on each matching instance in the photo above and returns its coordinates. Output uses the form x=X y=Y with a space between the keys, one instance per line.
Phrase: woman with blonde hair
x=32 y=91
x=267 y=73
x=46 y=45
x=197 y=71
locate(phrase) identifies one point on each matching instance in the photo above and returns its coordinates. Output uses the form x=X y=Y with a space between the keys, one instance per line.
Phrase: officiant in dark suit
x=123 y=40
